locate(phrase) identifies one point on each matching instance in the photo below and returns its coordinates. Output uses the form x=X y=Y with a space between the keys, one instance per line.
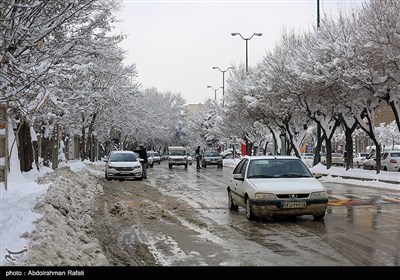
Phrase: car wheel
x=385 y=168
x=185 y=166
x=170 y=166
x=249 y=213
x=231 y=204
x=319 y=217
x=107 y=178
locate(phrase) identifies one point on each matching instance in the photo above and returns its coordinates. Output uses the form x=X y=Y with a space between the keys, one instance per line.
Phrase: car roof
x=122 y=152
x=271 y=157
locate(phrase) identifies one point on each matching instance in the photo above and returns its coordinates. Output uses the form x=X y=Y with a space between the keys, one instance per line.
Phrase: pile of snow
x=62 y=234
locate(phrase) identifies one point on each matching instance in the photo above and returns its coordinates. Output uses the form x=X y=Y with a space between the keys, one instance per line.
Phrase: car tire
x=319 y=217
x=231 y=204
x=107 y=178
x=249 y=213
x=185 y=166
x=170 y=166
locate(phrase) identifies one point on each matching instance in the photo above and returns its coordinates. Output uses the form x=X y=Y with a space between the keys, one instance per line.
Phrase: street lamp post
x=215 y=91
x=247 y=40
x=223 y=82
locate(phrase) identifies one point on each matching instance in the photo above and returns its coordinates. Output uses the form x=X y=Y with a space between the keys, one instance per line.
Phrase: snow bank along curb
x=62 y=235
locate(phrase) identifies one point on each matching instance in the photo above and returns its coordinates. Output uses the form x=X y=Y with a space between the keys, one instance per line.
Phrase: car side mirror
x=317 y=175
x=238 y=177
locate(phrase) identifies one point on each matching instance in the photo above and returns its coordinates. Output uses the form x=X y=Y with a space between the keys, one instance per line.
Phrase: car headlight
x=263 y=196
x=318 y=195
x=137 y=167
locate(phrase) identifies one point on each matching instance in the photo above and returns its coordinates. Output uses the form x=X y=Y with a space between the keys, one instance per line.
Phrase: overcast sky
x=175 y=44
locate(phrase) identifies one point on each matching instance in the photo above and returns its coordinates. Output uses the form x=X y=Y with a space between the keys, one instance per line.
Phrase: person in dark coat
x=198 y=157
x=142 y=152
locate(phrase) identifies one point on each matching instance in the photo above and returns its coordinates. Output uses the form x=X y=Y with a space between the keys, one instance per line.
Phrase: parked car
x=307 y=156
x=211 y=158
x=190 y=159
x=308 y=159
x=150 y=162
x=370 y=162
x=123 y=165
x=268 y=186
x=337 y=159
x=359 y=159
x=155 y=157
x=391 y=161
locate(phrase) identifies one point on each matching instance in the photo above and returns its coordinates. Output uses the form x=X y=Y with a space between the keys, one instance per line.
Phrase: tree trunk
x=83 y=148
x=25 y=150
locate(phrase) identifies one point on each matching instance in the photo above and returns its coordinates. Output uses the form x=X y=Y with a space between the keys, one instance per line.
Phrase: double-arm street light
x=247 y=40
x=215 y=91
x=223 y=81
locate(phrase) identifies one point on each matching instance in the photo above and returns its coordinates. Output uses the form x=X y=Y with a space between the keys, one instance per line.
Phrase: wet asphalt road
x=361 y=227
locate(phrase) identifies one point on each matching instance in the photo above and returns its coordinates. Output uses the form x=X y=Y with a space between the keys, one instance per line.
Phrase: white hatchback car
x=268 y=186
x=123 y=165
x=391 y=161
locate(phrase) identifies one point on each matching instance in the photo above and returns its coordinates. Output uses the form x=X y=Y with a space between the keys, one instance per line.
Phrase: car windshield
x=177 y=153
x=277 y=168
x=211 y=154
x=395 y=154
x=114 y=157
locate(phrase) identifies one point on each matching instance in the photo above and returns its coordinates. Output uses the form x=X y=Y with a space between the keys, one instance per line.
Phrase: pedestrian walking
x=198 y=157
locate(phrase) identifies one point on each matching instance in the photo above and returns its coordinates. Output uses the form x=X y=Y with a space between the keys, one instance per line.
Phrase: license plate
x=125 y=172
x=291 y=205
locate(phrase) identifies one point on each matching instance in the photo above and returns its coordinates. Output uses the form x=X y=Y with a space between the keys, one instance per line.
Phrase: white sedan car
x=123 y=165
x=359 y=159
x=268 y=186
x=391 y=161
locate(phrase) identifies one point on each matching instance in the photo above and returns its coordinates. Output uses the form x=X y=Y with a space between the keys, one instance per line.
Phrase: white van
x=177 y=155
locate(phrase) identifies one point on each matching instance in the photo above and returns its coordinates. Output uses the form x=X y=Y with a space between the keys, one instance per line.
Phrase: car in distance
x=359 y=159
x=156 y=158
x=189 y=158
x=273 y=186
x=211 y=158
x=391 y=161
x=337 y=159
x=370 y=162
x=177 y=155
x=123 y=165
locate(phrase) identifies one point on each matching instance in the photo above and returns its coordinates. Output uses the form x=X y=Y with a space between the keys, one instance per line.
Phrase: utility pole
x=317 y=156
